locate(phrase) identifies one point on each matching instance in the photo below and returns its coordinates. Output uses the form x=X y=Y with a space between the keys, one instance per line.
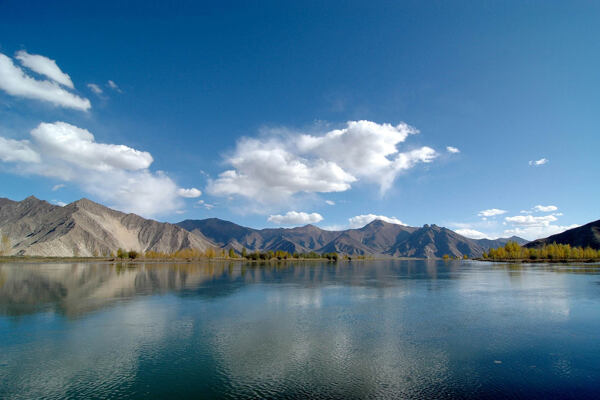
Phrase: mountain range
x=377 y=237
x=85 y=228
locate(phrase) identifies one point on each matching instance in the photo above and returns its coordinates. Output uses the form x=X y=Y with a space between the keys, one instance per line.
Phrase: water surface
x=381 y=329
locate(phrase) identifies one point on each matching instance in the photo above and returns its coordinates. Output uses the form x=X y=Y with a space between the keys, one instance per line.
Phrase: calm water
x=390 y=329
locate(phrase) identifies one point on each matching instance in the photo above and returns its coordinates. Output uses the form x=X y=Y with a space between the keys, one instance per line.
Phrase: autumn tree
x=5 y=245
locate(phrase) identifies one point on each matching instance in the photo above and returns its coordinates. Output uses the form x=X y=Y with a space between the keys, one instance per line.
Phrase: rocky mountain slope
x=582 y=236
x=85 y=228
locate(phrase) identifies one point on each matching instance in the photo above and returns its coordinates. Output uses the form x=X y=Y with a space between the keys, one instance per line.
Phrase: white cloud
x=267 y=172
x=330 y=202
x=295 y=218
x=17 y=151
x=14 y=81
x=78 y=147
x=538 y=232
x=452 y=150
x=189 y=193
x=534 y=227
x=472 y=233
x=530 y=220
x=116 y=174
x=205 y=204
x=367 y=150
x=537 y=163
x=95 y=88
x=113 y=86
x=59 y=203
x=491 y=212
x=539 y=208
x=58 y=187
x=44 y=66
x=361 y=220
x=275 y=167
x=179 y=212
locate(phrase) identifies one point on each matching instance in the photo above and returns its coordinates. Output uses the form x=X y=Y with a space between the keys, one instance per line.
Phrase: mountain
x=376 y=238
x=582 y=236
x=495 y=243
x=432 y=241
x=85 y=228
x=229 y=235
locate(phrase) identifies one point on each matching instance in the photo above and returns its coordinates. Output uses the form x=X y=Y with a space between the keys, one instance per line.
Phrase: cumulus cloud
x=95 y=88
x=540 y=208
x=530 y=220
x=452 y=150
x=361 y=220
x=276 y=167
x=471 y=233
x=537 y=163
x=538 y=232
x=266 y=171
x=78 y=147
x=14 y=81
x=295 y=218
x=17 y=151
x=491 y=212
x=330 y=202
x=534 y=227
x=367 y=150
x=189 y=193
x=58 y=187
x=44 y=66
x=118 y=175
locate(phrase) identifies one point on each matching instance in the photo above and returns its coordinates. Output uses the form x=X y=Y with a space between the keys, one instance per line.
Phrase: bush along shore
x=554 y=252
x=231 y=254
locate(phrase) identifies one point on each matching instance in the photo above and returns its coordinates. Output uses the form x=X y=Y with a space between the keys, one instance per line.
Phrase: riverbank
x=538 y=261
x=114 y=260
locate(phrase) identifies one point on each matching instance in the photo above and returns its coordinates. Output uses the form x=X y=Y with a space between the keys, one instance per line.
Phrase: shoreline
x=115 y=260
x=539 y=261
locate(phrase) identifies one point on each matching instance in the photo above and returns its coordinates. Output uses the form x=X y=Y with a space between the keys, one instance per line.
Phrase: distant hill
x=495 y=243
x=582 y=236
x=85 y=228
x=377 y=237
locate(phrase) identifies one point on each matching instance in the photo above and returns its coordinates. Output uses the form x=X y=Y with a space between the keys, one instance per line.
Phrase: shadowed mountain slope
x=377 y=238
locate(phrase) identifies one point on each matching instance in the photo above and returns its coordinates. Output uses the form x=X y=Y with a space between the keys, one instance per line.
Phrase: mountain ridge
x=86 y=228
x=376 y=238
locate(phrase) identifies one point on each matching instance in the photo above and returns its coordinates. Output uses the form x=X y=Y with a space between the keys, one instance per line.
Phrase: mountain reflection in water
x=378 y=329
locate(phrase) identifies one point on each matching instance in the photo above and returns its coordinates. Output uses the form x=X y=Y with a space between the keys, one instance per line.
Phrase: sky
x=478 y=116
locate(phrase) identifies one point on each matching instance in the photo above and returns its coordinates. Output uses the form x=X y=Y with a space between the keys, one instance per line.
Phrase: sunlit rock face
x=84 y=228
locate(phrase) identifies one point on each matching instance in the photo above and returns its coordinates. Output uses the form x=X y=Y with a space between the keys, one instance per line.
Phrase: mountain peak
x=86 y=203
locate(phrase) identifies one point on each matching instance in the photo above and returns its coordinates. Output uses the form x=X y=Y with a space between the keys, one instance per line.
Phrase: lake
x=374 y=329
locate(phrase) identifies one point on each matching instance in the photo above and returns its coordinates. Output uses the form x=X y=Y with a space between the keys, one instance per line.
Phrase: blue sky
x=281 y=114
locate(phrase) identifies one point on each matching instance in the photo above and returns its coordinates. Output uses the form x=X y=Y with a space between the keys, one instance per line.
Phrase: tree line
x=211 y=252
x=554 y=251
